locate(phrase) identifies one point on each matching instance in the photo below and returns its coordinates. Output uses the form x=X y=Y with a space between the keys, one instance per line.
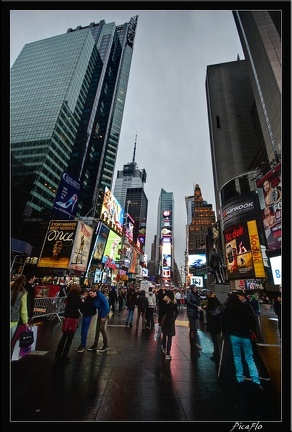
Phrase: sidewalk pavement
x=132 y=381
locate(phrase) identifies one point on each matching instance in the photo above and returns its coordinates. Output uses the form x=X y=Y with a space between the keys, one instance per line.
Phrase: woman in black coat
x=170 y=313
x=213 y=310
x=73 y=309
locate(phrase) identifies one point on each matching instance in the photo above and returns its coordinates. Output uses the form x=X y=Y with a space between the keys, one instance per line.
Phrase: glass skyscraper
x=67 y=95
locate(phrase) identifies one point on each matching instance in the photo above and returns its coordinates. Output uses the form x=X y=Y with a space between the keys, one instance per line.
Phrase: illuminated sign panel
x=111 y=252
x=166 y=257
x=111 y=210
x=65 y=204
x=243 y=251
x=276 y=265
x=270 y=197
x=58 y=244
x=197 y=262
x=81 y=248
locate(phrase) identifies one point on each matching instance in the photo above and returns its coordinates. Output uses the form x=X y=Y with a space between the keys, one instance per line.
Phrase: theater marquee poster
x=58 y=244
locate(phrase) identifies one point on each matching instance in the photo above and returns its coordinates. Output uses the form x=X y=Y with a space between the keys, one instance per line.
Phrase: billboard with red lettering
x=243 y=251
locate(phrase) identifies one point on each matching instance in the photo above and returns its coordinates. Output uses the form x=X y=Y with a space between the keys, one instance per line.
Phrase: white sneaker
x=168 y=357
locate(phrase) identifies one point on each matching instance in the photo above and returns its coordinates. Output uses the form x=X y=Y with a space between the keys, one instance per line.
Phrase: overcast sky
x=166 y=98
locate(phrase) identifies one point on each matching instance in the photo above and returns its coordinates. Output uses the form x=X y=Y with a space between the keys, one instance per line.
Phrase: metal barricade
x=49 y=307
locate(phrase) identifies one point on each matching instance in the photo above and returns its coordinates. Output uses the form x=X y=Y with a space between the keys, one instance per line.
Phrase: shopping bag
x=69 y=325
x=157 y=331
x=26 y=338
x=19 y=352
x=34 y=328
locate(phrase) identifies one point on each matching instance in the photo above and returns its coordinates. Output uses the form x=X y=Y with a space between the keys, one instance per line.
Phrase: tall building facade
x=164 y=255
x=202 y=217
x=260 y=36
x=189 y=208
x=129 y=191
x=244 y=109
x=130 y=177
x=244 y=101
x=237 y=143
x=68 y=95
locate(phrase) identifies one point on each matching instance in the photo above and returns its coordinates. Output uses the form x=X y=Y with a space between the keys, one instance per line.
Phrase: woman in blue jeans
x=238 y=320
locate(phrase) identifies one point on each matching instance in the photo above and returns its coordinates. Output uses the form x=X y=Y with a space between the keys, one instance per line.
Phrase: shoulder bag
x=70 y=325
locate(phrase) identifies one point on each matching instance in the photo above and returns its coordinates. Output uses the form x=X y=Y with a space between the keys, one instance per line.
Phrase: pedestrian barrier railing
x=49 y=307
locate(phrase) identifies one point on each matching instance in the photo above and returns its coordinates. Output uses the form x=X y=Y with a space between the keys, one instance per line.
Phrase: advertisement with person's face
x=111 y=210
x=100 y=242
x=270 y=198
x=111 y=252
x=81 y=248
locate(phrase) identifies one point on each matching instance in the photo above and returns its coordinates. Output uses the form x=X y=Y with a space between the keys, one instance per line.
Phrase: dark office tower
x=260 y=36
x=130 y=177
x=237 y=143
x=67 y=100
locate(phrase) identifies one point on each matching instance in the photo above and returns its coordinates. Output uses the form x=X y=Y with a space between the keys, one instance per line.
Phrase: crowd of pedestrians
x=235 y=318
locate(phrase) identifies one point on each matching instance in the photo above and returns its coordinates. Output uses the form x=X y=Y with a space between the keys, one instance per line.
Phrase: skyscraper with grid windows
x=68 y=95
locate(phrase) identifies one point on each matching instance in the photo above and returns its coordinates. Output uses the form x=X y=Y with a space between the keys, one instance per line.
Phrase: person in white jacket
x=151 y=308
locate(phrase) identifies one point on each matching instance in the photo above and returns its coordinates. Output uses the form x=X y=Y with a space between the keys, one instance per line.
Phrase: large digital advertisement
x=65 y=204
x=112 y=249
x=81 y=248
x=243 y=251
x=111 y=210
x=270 y=197
x=166 y=257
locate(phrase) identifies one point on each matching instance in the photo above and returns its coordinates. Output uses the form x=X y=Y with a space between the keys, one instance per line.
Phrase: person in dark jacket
x=142 y=304
x=29 y=286
x=168 y=323
x=88 y=311
x=112 y=298
x=160 y=303
x=239 y=320
x=255 y=305
x=131 y=298
x=73 y=309
x=193 y=312
x=101 y=303
x=213 y=311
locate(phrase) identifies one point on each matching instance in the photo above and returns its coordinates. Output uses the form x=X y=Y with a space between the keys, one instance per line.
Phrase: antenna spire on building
x=134 y=153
